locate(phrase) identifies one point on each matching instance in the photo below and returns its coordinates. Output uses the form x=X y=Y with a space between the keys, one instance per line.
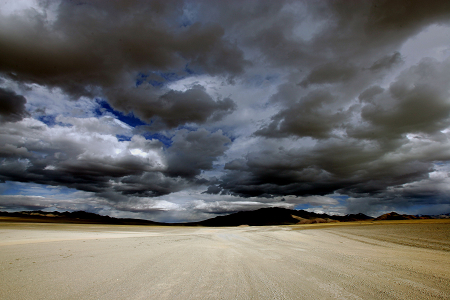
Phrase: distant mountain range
x=278 y=216
x=72 y=217
x=395 y=216
x=260 y=217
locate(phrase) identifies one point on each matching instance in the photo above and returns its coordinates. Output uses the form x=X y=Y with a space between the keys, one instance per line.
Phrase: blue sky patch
x=129 y=119
x=339 y=197
x=33 y=189
x=122 y=138
x=50 y=121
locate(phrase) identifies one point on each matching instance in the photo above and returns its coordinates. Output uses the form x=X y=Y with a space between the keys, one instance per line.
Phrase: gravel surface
x=67 y=261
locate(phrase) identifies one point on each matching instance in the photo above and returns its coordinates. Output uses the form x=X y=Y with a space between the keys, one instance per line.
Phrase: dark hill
x=395 y=216
x=81 y=217
x=263 y=216
x=352 y=217
x=277 y=216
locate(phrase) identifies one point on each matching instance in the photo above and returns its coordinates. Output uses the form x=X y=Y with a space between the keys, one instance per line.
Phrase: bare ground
x=384 y=260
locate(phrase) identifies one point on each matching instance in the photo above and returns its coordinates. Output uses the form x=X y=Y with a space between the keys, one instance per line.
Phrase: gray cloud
x=192 y=152
x=306 y=118
x=386 y=62
x=173 y=108
x=86 y=159
x=12 y=106
x=20 y=202
x=357 y=168
x=303 y=35
x=416 y=102
x=426 y=196
x=68 y=156
x=329 y=73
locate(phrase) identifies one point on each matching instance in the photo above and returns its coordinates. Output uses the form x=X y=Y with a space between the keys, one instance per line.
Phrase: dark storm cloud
x=329 y=73
x=386 y=62
x=306 y=118
x=355 y=168
x=192 y=152
x=147 y=184
x=173 y=108
x=99 y=48
x=302 y=34
x=12 y=106
x=370 y=26
x=405 y=15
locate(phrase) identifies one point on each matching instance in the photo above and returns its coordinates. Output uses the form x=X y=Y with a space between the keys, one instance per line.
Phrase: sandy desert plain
x=362 y=260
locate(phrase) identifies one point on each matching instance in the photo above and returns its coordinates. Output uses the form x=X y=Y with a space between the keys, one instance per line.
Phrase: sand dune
x=72 y=261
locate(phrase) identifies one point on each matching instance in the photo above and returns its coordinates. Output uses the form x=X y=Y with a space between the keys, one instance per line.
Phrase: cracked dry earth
x=67 y=261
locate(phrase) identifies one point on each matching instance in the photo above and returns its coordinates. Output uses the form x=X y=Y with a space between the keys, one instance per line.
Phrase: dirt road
x=54 y=261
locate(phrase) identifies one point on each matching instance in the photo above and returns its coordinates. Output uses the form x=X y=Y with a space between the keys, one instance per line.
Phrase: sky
x=179 y=111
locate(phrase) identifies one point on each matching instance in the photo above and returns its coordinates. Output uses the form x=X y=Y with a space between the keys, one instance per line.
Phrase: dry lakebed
x=361 y=260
